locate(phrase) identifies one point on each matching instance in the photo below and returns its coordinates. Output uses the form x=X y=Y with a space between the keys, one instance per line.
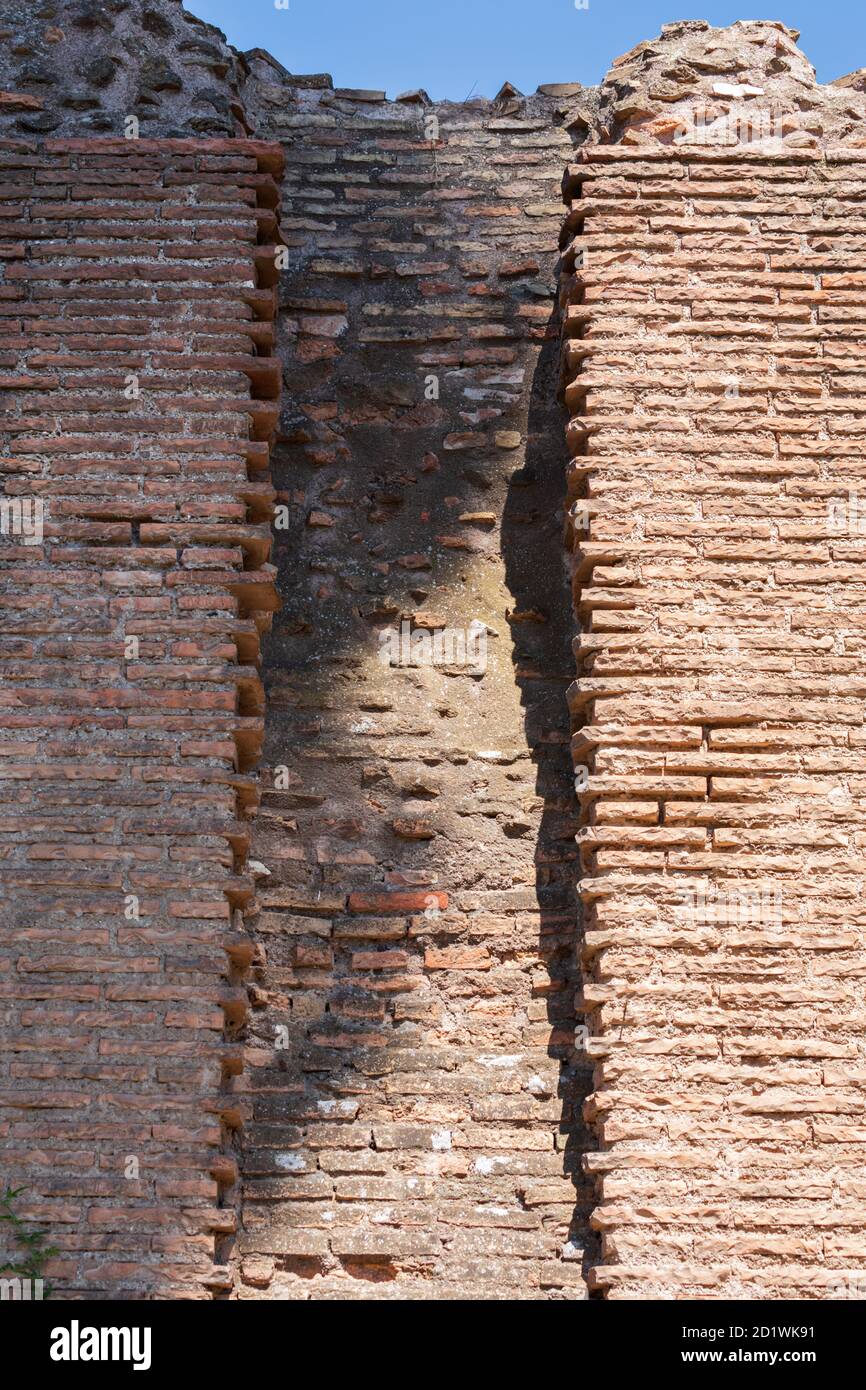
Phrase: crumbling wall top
x=79 y=67
x=731 y=77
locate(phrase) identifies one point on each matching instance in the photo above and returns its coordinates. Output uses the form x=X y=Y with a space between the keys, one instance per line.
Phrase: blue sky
x=452 y=47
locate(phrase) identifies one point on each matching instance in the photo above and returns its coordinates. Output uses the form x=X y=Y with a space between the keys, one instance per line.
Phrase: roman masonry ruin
x=434 y=568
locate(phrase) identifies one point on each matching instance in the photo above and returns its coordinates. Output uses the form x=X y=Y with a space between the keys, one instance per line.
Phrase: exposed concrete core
x=345 y=1041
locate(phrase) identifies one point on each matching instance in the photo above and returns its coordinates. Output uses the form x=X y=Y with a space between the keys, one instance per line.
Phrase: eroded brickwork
x=416 y=1099
x=139 y=398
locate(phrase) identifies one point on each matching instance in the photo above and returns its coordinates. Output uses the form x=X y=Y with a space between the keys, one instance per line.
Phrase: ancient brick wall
x=416 y=1125
x=715 y=323
x=340 y=1050
x=139 y=395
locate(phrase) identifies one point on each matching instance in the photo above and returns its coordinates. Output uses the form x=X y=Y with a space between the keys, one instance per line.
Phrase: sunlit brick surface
x=717 y=434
